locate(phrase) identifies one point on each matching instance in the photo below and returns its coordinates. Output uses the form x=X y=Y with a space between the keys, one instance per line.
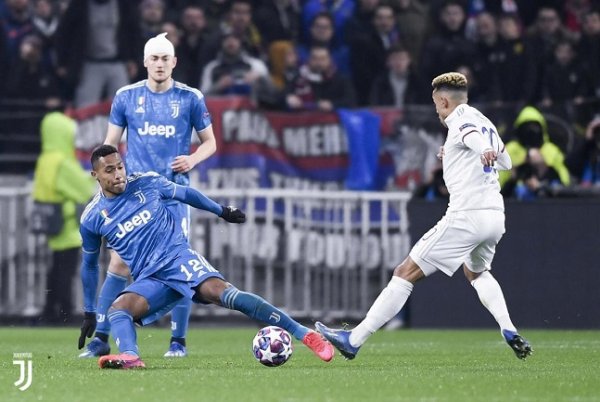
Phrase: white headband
x=159 y=45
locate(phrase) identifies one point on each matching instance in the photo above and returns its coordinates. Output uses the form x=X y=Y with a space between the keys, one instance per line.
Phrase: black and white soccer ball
x=272 y=346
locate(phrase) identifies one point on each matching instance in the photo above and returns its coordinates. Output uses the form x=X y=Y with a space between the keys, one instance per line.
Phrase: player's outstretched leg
x=518 y=344
x=387 y=305
x=258 y=308
x=112 y=286
x=123 y=331
x=340 y=338
x=180 y=316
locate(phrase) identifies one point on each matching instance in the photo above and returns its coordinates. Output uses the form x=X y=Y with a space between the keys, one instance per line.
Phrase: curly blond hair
x=450 y=80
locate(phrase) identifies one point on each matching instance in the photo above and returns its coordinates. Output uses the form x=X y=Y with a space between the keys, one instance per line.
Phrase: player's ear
x=174 y=61
x=445 y=102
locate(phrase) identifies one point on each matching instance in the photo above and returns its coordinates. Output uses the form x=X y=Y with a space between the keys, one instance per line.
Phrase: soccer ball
x=272 y=346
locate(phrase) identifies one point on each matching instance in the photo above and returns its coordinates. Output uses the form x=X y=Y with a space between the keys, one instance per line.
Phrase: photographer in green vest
x=61 y=188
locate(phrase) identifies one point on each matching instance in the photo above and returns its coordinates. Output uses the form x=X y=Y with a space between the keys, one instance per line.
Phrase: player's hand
x=87 y=328
x=488 y=157
x=183 y=163
x=233 y=215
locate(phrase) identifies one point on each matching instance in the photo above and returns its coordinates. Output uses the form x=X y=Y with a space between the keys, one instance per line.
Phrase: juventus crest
x=174 y=108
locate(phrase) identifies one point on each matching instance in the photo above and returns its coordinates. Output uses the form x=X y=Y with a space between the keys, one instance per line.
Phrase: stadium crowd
x=533 y=57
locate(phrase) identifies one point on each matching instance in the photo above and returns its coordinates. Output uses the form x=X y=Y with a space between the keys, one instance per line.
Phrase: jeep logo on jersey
x=138 y=220
x=160 y=129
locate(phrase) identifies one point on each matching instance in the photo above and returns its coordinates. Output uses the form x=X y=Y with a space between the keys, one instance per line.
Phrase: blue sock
x=123 y=331
x=113 y=285
x=256 y=307
x=180 y=317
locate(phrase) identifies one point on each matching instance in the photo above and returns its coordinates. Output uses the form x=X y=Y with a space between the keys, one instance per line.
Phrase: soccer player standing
x=160 y=116
x=132 y=215
x=468 y=233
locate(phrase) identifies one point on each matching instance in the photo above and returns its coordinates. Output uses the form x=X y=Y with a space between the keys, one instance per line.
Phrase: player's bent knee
x=409 y=270
x=135 y=304
x=211 y=290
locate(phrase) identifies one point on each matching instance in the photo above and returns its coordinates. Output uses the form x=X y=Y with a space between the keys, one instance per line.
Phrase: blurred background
x=326 y=136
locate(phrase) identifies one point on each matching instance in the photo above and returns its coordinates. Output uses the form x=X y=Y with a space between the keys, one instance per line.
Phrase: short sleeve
x=200 y=115
x=117 y=111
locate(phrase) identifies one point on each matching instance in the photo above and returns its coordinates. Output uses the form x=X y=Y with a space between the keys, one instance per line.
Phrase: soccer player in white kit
x=468 y=233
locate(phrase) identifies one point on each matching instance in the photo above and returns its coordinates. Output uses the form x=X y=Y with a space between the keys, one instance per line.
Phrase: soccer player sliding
x=130 y=213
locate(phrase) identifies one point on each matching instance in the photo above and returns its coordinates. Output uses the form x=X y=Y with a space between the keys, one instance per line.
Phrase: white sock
x=389 y=302
x=491 y=297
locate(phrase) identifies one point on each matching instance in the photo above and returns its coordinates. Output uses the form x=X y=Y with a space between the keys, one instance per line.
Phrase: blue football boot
x=517 y=343
x=340 y=338
x=176 y=350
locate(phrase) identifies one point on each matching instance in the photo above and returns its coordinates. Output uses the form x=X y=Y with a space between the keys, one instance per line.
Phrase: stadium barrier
x=315 y=254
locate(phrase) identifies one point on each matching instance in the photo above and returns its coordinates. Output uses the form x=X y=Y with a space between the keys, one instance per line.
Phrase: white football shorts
x=468 y=237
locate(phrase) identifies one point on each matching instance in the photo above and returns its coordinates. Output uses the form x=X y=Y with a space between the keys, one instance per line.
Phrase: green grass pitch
x=405 y=365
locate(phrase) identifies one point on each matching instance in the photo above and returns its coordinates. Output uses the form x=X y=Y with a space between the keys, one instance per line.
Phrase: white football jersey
x=470 y=184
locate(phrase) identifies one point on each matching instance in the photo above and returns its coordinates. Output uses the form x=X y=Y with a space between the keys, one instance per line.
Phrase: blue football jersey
x=136 y=224
x=159 y=125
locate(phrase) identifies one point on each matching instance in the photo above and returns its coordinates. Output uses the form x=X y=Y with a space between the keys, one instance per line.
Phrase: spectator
x=399 y=85
x=589 y=47
x=233 y=72
x=152 y=15
x=491 y=56
x=321 y=34
x=215 y=12
x=284 y=63
x=540 y=43
x=341 y=10
x=512 y=62
x=413 y=24
x=17 y=23
x=566 y=80
x=45 y=22
x=368 y=54
x=97 y=46
x=278 y=20
x=29 y=78
x=361 y=21
x=60 y=181
x=318 y=86
x=448 y=48
x=584 y=161
x=191 y=51
x=239 y=22
x=531 y=133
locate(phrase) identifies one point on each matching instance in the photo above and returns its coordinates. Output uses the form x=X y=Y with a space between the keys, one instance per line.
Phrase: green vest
x=59 y=178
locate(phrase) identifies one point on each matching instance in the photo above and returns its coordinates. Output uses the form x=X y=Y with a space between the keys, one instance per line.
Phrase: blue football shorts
x=166 y=287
